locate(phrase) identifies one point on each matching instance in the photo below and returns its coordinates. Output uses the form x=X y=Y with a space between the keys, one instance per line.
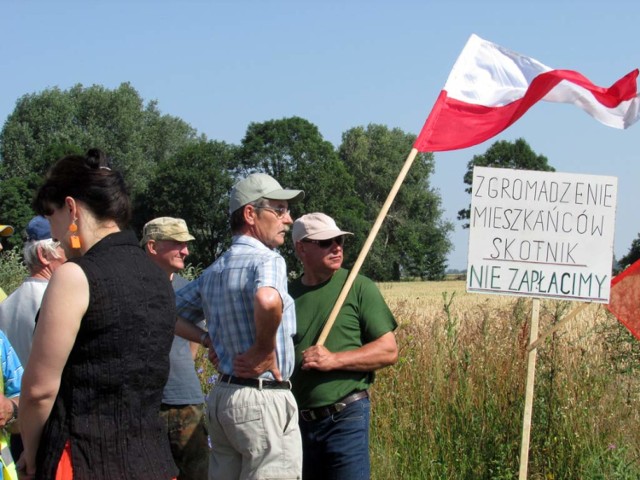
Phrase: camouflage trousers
x=187 y=431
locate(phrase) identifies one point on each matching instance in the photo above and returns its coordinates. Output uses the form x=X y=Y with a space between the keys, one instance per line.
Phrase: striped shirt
x=224 y=296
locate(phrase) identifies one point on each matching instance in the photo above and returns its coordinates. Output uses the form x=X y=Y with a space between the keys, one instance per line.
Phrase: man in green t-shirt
x=330 y=382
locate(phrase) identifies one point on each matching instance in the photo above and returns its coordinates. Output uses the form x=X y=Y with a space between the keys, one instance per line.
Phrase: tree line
x=172 y=170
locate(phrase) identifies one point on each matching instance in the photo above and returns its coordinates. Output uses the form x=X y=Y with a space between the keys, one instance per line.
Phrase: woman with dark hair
x=93 y=384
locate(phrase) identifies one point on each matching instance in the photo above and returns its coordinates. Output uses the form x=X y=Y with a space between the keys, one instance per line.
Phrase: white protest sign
x=541 y=234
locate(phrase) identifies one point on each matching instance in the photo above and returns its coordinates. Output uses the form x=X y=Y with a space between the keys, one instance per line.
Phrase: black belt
x=324 y=412
x=258 y=383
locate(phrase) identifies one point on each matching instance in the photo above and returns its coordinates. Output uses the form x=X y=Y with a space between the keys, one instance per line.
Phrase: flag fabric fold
x=490 y=87
x=624 y=300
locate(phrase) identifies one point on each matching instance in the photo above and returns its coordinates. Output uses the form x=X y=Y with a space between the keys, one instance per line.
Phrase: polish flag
x=490 y=87
x=624 y=300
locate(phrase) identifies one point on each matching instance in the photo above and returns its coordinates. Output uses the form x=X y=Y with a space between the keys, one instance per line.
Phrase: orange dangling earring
x=75 y=239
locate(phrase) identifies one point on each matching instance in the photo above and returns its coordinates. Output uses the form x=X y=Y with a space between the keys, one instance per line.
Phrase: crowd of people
x=107 y=331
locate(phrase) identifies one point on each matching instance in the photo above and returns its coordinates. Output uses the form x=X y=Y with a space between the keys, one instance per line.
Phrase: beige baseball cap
x=260 y=185
x=316 y=226
x=6 y=230
x=166 y=228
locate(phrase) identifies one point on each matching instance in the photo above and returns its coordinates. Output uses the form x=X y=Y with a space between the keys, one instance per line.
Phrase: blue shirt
x=11 y=368
x=224 y=296
x=183 y=385
x=11 y=372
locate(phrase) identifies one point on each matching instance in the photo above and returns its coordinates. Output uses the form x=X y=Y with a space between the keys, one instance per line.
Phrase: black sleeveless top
x=111 y=387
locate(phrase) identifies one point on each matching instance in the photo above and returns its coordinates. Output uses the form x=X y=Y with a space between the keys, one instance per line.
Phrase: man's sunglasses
x=327 y=243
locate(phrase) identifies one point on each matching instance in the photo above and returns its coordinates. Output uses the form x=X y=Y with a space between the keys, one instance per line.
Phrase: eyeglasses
x=327 y=243
x=278 y=211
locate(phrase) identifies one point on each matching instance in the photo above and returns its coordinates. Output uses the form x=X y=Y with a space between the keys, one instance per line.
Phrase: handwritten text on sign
x=541 y=234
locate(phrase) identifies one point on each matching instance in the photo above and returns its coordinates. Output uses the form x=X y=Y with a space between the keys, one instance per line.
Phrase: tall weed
x=12 y=270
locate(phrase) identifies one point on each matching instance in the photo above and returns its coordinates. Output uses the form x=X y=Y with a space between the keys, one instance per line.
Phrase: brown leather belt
x=258 y=383
x=324 y=412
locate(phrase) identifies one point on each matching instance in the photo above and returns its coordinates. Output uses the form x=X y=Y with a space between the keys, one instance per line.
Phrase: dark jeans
x=337 y=447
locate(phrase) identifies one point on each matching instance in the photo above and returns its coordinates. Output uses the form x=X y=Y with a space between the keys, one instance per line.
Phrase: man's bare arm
x=372 y=356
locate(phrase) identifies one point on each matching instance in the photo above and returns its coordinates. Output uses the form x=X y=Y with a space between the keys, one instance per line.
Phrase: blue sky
x=220 y=65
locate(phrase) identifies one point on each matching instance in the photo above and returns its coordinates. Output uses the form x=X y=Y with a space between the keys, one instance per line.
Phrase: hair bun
x=97 y=159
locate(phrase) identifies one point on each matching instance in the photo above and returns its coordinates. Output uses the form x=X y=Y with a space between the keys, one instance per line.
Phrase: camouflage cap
x=166 y=228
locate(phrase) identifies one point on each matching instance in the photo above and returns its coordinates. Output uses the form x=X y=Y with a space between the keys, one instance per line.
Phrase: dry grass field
x=452 y=405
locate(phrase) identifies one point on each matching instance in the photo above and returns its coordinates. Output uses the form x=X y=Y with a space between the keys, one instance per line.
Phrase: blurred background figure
x=9 y=401
x=42 y=256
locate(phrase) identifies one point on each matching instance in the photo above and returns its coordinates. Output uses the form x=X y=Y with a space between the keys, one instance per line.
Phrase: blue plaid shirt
x=224 y=296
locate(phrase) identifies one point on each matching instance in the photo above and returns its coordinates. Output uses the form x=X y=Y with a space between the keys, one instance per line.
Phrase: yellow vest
x=6 y=459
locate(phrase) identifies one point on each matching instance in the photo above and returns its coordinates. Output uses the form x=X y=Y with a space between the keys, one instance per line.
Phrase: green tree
x=293 y=151
x=15 y=204
x=135 y=136
x=52 y=153
x=193 y=185
x=413 y=240
x=503 y=154
x=16 y=193
x=632 y=255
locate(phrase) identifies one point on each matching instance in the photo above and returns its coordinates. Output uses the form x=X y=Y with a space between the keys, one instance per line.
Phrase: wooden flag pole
x=367 y=246
x=528 y=399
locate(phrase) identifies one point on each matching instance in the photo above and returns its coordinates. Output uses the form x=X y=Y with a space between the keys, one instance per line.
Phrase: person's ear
x=249 y=212
x=298 y=248
x=151 y=247
x=72 y=206
x=43 y=256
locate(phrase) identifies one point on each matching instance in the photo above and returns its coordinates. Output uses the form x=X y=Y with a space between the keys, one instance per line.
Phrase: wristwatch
x=14 y=415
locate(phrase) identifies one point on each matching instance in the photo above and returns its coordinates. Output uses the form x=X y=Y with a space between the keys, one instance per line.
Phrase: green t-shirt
x=364 y=317
x=2 y=295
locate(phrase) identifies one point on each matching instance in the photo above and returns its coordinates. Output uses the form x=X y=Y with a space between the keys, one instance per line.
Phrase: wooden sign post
x=528 y=396
x=541 y=235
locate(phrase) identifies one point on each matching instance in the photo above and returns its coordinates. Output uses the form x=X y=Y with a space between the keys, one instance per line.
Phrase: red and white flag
x=490 y=87
x=624 y=300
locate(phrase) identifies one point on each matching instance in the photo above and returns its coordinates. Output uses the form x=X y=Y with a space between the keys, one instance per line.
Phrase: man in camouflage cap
x=165 y=241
